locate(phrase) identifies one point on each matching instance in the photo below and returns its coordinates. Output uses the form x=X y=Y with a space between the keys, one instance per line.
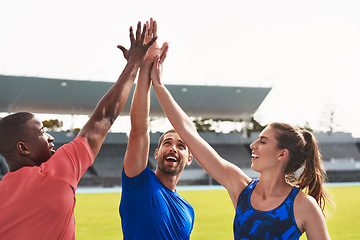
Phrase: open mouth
x=171 y=158
x=254 y=156
x=52 y=150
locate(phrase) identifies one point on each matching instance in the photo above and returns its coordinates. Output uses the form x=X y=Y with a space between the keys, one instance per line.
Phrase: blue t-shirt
x=278 y=223
x=149 y=210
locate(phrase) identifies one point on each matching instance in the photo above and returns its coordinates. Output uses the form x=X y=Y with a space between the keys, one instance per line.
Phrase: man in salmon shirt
x=37 y=196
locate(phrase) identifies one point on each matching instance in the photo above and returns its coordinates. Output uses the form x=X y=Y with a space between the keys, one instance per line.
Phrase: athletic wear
x=38 y=202
x=278 y=223
x=149 y=210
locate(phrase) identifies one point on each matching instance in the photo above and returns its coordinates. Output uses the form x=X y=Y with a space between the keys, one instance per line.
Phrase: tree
x=254 y=126
x=52 y=124
x=203 y=124
x=330 y=118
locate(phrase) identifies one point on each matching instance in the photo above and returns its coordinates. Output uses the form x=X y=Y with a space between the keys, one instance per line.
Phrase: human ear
x=284 y=153
x=156 y=153
x=189 y=161
x=22 y=148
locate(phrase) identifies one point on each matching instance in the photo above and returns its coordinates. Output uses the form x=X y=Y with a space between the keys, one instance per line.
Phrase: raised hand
x=157 y=68
x=138 y=47
x=154 y=48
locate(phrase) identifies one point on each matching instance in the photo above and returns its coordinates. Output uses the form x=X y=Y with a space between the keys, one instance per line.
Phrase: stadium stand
x=340 y=152
x=341 y=156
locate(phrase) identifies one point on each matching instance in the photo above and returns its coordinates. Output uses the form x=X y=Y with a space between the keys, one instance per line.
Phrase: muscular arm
x=224 y=172
x=111 y=104
x=137 y=153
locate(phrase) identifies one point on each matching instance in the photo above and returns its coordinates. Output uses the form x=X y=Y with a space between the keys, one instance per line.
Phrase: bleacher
x=340 y=153
x=341 y=156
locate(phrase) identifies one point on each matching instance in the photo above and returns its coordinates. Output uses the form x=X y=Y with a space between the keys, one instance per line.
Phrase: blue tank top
x=151 y=211
x=278 y=223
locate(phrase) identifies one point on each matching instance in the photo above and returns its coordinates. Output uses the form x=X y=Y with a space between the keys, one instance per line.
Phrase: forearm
x=137 y=153
x=224 y=172
x=114 y=100
x=183 y=125
x=108 y=108
x=140 y=106
x=177 y=117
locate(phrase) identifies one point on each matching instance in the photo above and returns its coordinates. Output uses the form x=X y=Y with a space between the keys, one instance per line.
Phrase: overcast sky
x=307 y=51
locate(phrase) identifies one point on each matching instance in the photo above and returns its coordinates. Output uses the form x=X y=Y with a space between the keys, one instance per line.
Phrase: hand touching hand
x=157 y=68
x=138 y=47
x=154 y=48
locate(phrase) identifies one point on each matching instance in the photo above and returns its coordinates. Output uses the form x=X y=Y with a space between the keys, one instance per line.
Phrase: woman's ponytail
x=313 y=175
x=303 y=152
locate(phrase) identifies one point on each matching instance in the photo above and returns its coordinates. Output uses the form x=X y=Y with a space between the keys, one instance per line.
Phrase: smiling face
x=37 y=143
x=172 y=155
x=265 y=153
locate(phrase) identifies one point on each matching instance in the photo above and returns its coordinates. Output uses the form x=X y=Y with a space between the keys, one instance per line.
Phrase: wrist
x=158 y=84
x=133 y=65
x=146 y=66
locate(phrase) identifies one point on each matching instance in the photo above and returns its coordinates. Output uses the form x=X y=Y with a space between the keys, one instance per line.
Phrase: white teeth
x=171 y=158
x=254 y=156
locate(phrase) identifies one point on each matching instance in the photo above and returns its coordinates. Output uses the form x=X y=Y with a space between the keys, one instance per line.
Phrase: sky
x=307 y=51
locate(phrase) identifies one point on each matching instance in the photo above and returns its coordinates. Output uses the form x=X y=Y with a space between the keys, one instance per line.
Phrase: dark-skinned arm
x=111 y=104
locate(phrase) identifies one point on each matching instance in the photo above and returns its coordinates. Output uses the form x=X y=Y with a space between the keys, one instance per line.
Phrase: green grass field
x=97 y=215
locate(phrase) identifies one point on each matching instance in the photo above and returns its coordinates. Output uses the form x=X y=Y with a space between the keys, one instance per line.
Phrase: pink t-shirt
x=38 y=202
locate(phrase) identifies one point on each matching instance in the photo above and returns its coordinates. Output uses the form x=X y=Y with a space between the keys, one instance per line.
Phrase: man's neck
x=168 y=181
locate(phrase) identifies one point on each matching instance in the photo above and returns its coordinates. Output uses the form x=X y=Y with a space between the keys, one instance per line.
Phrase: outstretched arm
x=137 y=153
x=224 y=172
x=111 y=104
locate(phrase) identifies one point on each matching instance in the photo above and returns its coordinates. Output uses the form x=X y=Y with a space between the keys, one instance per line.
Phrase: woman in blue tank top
x=271 y=207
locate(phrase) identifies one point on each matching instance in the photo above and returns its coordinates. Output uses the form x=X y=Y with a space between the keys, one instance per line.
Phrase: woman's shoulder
x=304 y=200
x=305 y=209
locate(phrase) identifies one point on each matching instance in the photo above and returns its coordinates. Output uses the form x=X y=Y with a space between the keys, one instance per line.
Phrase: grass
x=97 y=215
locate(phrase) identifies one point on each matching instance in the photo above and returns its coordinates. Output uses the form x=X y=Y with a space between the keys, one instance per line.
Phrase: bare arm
x=111 y=104
x=224 y=172
x=137 y=153
x=310 y=217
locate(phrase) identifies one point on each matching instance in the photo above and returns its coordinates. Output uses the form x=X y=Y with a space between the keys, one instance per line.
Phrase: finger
x=132 y=39
x=143 y=34
x=150 y=28
x=138 y=31
x=155 y=29
x=148 y=33
x=165 y=44
x=156 y=61
x=163 y=56
x=124 y=51
x=151 y=42
x=156 y=64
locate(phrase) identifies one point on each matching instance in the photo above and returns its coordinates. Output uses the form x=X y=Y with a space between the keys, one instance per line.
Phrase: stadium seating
x=340 y=153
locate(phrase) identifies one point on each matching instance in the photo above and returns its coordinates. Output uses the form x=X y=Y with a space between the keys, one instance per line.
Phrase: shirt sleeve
x=70 y=161
x=135 y=183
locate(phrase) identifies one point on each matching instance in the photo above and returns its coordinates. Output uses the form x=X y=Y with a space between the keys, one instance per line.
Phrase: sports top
x=278 y=223
x=149 y=210
x=38 y=202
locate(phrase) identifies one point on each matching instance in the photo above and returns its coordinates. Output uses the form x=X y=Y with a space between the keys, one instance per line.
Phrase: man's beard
x=173 y=171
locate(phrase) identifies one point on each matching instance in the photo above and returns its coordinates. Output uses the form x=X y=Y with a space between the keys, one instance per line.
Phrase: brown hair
x=161 y=139
x=303 y=152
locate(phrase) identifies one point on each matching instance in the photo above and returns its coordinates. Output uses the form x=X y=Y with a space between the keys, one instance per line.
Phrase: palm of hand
x=153 y=51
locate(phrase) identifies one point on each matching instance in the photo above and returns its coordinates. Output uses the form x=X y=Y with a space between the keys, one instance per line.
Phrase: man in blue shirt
x=150 y=207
